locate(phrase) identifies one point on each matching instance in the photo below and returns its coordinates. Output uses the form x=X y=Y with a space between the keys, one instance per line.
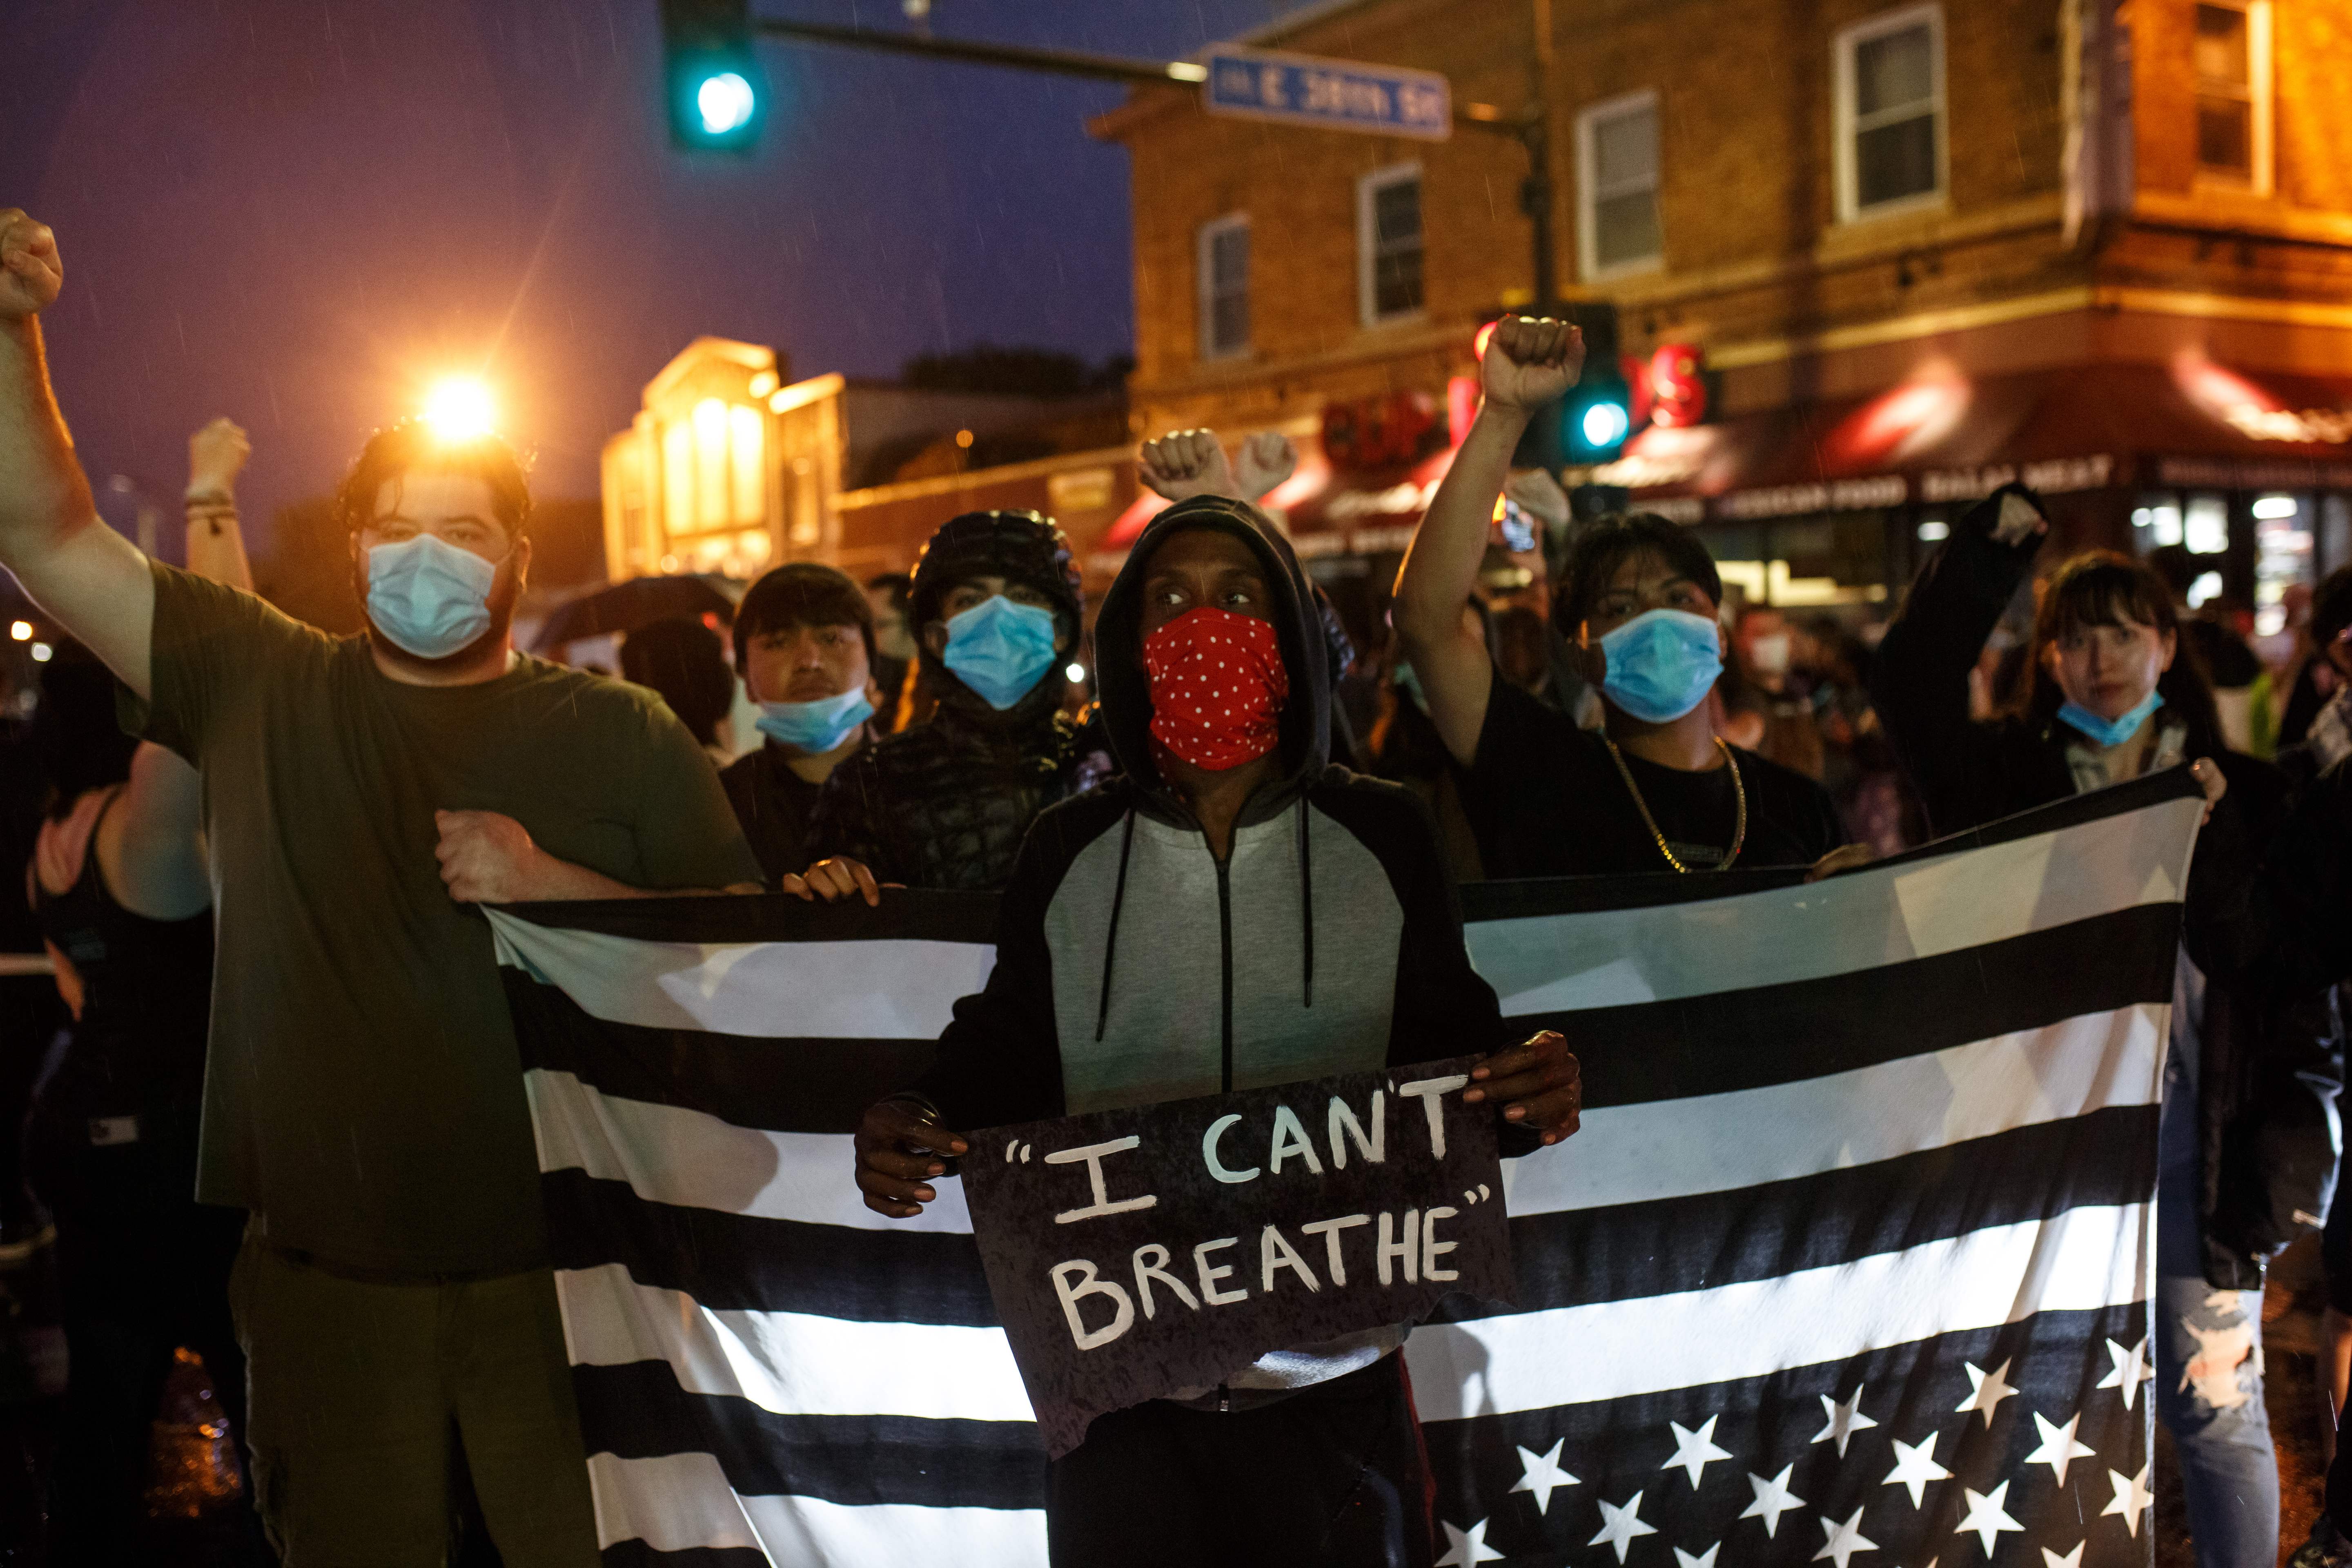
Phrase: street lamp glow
x=20 y=631
x=725 y=101
x=458 y=408
x=1605 y=423
x=41 y=652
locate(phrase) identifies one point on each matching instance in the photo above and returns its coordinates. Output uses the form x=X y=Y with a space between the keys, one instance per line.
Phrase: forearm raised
x=44 y=495
x=1441 y=568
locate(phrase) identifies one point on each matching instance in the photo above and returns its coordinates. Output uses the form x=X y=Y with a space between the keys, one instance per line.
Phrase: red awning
x=1944 y=437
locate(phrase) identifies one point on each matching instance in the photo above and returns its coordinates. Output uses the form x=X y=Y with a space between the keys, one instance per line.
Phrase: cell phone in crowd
x=1516 y=527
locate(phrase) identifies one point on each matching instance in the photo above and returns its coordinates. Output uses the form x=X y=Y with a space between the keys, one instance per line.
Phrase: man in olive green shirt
x=364 y=1094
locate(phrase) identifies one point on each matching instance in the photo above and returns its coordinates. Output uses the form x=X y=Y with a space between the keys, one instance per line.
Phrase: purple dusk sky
x=297 y=211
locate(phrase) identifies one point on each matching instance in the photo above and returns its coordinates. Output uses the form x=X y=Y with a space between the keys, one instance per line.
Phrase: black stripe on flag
x=635 y=1553
x=638 y=1410
x=1629 y=1251
x=736 y=1262
x=786 y=1084
x=930 y=916
x=1811 y=1029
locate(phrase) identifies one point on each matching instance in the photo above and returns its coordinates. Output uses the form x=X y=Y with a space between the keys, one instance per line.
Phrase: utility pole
x=1531 y=129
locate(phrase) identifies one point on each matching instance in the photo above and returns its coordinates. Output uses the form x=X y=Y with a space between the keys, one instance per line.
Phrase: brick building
x=1917 y=248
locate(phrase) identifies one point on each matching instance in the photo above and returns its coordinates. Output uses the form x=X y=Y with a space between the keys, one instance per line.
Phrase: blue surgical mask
x=2111 y=732
x=1000 y=649
x=816 y=727
x=430 y=598
x=1662 y=664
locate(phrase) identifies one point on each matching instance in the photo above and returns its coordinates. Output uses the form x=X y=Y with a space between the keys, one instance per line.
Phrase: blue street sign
x=1337 y=95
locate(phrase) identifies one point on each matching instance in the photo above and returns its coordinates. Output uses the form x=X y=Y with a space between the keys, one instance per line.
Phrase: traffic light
x=718 y=97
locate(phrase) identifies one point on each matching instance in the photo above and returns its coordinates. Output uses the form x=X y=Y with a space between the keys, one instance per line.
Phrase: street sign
x=1336 y=95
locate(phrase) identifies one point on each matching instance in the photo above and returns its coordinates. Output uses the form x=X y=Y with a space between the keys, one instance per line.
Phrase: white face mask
x=1770 y=652
x=429 y=599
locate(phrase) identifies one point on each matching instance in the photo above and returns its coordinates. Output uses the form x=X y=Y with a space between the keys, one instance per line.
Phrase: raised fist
x=1264 y=461
x=1187 y=463
x=1530 y=362
x=216 y=455
x=30 y=270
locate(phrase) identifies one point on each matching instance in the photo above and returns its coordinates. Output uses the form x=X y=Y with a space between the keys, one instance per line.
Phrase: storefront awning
x=1947 y=437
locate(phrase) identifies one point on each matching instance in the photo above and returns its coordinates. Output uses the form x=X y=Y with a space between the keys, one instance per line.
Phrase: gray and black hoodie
x=1132 y=967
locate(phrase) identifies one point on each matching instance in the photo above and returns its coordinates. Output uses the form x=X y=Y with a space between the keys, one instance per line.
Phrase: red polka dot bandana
x=1217 y=687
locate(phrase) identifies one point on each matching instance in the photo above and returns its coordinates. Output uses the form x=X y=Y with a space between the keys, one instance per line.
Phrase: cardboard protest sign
x=1135 y=1253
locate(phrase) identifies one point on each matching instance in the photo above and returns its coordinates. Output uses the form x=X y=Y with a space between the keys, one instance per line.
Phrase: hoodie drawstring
x=1306 y=904
x=1118 y=900
x=1111 y=942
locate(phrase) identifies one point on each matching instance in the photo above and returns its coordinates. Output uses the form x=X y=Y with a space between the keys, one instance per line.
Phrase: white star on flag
x=1541 y=1473
x=2131 y=1369
x=2072 y=1560
x=1915 y=1466
x=1990 y=1389
x=2058 y=1448
x=2133 y=1497
x=1844 y=1540
x=1621 y=1525
x=1773 y=1498
x=1467 y=1548
x=1987 y=1515
x=1705 y=1560
x=1842 y=1421
x=1693 y=1450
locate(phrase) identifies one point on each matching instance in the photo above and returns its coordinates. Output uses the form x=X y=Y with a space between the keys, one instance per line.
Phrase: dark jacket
x=944 y=804
x=772 y=803
x=1131 y=967
x=2269 y=1054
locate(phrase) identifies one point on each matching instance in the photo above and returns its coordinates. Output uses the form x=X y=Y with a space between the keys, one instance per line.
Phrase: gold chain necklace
x=1739 y=794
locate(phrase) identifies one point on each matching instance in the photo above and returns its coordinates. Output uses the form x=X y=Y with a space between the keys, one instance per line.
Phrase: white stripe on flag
x=1629 y=1153
x=1711 y=1142
x=680 y=1501
x=791 y=1363
x=1865 y=918
x=2080 y=1260
x=878 y=990
x=669 y=1154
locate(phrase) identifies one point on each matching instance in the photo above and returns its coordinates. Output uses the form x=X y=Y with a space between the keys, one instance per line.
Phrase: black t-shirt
x=772 y=803
x=1545 y=800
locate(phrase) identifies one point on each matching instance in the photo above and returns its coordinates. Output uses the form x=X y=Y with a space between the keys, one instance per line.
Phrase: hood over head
x=1299 y=633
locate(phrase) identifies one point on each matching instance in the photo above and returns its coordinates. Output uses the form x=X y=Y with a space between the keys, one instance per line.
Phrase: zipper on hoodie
x=1225 y=970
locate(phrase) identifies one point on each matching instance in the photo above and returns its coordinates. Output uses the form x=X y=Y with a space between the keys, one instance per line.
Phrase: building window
x=1223 y=270
x=1890 y=113
x=2234 y=73
x=1387 y=244
x=1617 y=186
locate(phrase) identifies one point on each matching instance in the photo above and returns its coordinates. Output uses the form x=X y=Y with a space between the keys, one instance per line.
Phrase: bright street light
x=725 y=101
x=20 y=631
x=459 y=408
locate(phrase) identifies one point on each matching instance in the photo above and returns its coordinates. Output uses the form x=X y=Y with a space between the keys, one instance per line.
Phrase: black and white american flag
x=1850 y=1262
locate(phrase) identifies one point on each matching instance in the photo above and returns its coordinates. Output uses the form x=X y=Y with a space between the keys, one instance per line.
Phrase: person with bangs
x=1656 y=789
x=2246 y=1133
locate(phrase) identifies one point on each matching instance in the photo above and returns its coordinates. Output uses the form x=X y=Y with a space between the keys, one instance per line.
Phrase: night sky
x=297 y=211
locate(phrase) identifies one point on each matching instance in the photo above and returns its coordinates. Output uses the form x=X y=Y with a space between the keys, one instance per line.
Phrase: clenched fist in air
x=31 y=272
x=1530 y=361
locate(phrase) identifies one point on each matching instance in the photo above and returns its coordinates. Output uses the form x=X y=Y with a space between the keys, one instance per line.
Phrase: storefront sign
x=1135 y=1253
x=2226 y=474
x=2057 y=476
x=1795 y=501
x=1332 y=95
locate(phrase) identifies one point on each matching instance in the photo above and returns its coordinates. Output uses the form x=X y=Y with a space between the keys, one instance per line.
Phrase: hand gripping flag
x=1851 y=1260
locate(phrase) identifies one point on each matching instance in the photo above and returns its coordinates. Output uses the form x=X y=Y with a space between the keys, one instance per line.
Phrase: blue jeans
x=2208 y=1371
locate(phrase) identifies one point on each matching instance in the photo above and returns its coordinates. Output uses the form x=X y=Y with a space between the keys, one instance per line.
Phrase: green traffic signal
x=718 y=97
